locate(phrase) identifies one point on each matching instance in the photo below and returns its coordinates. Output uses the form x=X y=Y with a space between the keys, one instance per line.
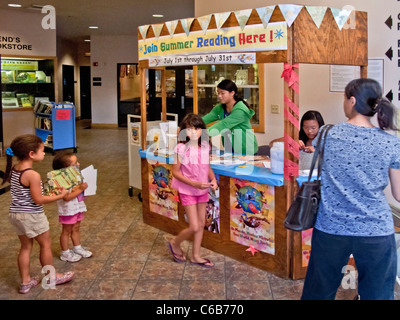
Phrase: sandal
x=206 y=264
x=24 y=288
x=176 y=256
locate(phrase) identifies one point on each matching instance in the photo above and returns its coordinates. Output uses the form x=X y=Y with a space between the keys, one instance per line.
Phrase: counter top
x=245 y=171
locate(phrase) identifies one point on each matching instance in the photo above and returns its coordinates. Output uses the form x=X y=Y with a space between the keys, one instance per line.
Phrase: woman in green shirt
x=233 y=116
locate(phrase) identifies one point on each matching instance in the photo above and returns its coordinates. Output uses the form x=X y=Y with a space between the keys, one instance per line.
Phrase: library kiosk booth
x=245 y=217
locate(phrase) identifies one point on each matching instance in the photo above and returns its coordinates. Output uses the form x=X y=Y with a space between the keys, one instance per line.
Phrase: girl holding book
x=71 y=210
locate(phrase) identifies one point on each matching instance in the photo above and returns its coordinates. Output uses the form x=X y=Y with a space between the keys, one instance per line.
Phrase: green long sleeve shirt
x=238 y=123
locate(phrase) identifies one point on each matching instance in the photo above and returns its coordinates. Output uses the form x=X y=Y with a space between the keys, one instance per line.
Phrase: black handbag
x=304 y=208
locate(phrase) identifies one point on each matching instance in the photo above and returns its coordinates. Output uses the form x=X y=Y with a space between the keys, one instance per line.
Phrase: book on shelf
x=43 y=106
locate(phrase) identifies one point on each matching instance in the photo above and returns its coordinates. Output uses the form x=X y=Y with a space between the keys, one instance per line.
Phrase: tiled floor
x=130 y=259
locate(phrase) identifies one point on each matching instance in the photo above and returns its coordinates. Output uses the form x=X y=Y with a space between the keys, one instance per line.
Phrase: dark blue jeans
x=375 y=259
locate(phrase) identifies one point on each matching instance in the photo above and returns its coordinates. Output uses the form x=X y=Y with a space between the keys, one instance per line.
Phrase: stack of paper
x=90 y=177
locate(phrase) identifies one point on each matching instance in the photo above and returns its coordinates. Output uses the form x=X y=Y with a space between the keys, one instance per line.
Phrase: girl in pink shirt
x=192 y=176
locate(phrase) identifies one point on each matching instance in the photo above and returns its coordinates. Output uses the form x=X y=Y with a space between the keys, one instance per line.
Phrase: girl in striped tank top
x=26 y=210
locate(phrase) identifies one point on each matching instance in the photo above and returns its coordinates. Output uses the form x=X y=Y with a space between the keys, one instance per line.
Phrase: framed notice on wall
x=340 y=76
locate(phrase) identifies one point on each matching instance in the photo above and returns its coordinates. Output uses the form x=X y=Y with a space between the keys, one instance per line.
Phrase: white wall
x=314 y=79
x=107 y=51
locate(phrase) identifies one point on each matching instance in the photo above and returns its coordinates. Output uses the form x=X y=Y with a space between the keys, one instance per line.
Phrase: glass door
x=128 y=91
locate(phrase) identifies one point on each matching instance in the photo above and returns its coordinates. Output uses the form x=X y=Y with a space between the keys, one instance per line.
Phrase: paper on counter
x=90 y=177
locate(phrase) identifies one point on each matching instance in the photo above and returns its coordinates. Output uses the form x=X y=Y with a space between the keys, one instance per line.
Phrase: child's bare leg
x=198 y=234
x=24 y=258
x=75 y=235
x=65 y=235
x=186 y=234
x=44 y=241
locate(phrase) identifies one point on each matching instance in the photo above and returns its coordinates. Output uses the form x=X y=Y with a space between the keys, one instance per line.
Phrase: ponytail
x=369 y=100
x=7 y=174
x=385 y=113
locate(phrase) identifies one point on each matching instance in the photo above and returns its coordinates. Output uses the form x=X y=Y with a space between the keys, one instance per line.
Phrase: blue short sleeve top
x=354 y=174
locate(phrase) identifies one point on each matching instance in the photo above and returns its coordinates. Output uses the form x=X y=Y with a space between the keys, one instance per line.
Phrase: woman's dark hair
x=195 y=121
x=369 y=100
x=20 y=147
x=230 y=86
x=62 y=160
x=309 y=115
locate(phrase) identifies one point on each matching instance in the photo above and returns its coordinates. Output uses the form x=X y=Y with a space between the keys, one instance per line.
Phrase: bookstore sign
x=35 y=37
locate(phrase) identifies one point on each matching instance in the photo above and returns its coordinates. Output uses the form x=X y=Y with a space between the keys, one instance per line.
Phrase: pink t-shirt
x=195 y=165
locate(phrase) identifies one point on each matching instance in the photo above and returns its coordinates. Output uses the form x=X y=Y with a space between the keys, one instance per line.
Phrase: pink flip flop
x=174 y=255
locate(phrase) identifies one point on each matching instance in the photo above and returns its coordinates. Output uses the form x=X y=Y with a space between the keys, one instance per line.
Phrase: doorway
x=68 y=83
x=179 y=91
x=86 y=95
x=128 y=87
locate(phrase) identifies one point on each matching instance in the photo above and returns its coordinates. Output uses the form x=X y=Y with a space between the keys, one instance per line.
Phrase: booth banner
x=234 y=39
x=252 y=214
x=196 y=59
x=163 y=199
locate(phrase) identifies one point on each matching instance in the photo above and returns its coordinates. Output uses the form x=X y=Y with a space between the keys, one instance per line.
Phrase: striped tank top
x=21 y=198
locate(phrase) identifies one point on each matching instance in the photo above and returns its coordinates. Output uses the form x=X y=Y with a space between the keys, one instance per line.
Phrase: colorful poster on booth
x=252 y=214
x=306 y=246
x=163 y=199
x=212 y=211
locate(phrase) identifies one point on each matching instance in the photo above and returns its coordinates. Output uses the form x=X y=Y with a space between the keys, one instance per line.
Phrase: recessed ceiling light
x=14 y=5
x=87 y=40
x=93 y=27
x=158 y=15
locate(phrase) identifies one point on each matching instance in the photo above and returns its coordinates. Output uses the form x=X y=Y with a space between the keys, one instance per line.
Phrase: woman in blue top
x=354 y=216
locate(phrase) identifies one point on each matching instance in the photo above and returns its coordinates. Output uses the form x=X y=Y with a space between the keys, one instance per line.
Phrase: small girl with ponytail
x=26 y=209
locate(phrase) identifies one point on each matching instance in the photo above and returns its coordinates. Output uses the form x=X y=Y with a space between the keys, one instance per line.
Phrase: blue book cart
x=55 y=125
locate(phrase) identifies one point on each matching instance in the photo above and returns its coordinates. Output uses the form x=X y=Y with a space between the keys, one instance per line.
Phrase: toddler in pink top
x=192 y=177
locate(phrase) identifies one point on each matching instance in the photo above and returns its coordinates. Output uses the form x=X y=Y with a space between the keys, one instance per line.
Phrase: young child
x=191 y=175
x=26 y=210
x=70 y=209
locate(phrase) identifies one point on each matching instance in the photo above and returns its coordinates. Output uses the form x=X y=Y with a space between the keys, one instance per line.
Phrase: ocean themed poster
x=163 y=199
x=306 y=246
x=252 y=214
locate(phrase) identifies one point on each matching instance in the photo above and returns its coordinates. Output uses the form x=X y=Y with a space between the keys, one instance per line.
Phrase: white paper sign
x=90 y=177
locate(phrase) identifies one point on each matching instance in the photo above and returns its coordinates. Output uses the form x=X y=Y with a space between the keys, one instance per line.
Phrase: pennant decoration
x=143 y=31
x=265 y=14
x=341 y=16
x=317 y=14
x=220 y=18
x=171 y=26
x=204 y=21
x=157 y=29
x=186 y=24
x=242 y=17
x=290 y=12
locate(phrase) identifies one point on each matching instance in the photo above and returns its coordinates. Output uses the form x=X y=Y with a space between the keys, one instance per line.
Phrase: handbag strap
x=319 y=151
